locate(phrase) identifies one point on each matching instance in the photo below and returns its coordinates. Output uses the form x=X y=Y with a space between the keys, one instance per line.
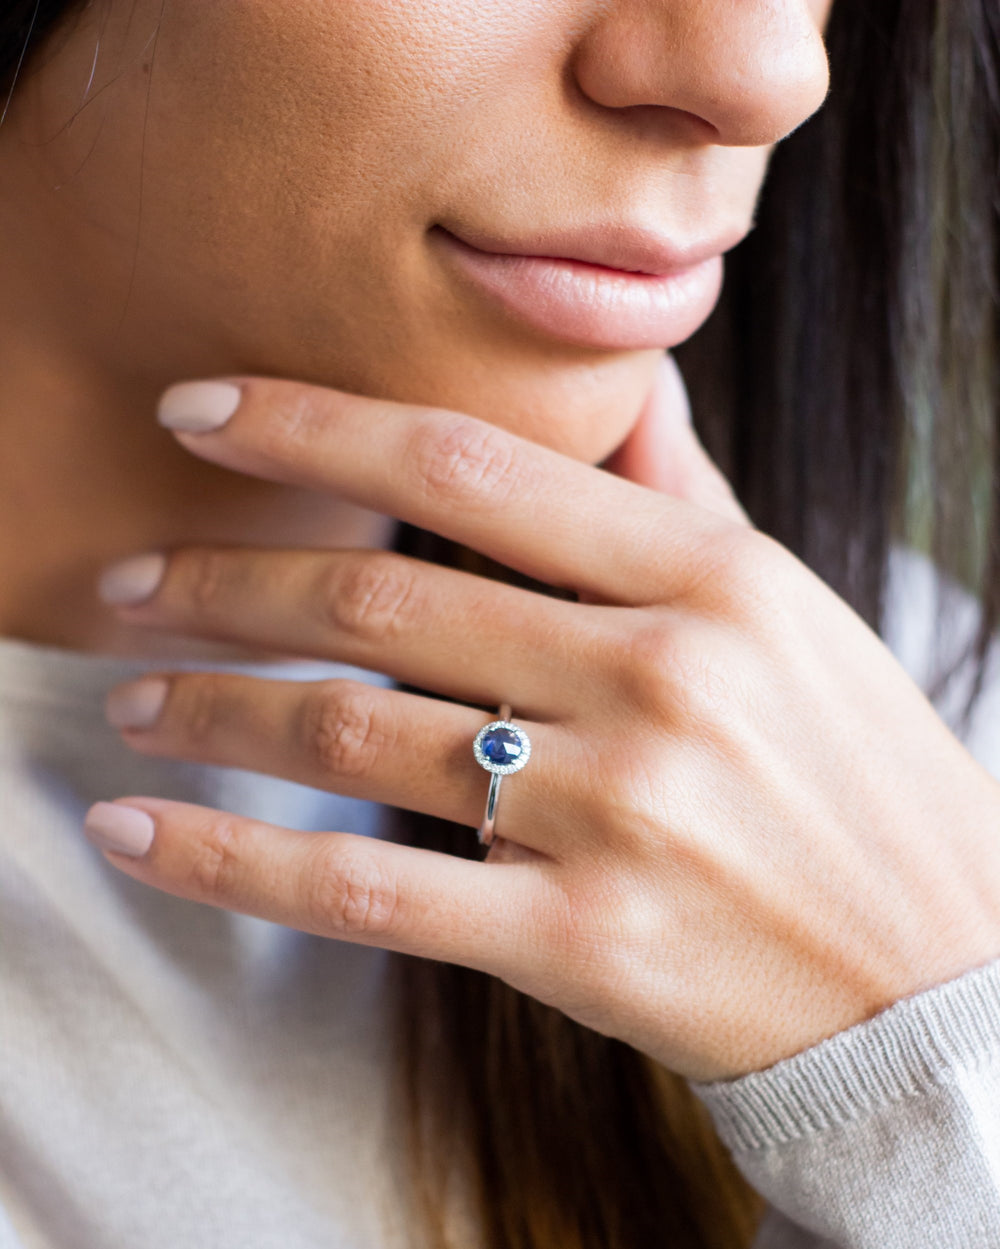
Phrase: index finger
x=526 y=506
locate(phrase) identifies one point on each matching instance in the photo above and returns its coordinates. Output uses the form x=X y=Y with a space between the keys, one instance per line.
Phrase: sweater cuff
x=919 y=1042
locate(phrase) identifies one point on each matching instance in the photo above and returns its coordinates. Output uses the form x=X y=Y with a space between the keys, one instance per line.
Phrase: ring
x=500 y=747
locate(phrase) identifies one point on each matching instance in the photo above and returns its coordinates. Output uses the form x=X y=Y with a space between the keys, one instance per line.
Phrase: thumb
x=662 y=450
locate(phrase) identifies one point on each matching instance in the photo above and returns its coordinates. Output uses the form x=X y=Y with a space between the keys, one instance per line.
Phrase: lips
x=607 y=289
x=621 y=248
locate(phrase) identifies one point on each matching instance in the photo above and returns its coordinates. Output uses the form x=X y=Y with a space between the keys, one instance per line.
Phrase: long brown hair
x=847 y=385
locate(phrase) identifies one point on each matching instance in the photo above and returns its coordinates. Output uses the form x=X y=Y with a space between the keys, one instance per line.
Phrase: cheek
x=346 y=101
x=278 y=99
x=296 y=154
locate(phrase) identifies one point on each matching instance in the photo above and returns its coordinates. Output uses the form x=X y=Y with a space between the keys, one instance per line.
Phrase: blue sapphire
x=502 y=746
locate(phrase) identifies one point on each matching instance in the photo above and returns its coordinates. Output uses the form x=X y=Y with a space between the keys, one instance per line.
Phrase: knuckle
x=199 y=709
x=743 y=575
x=295 y=412
x=653 y=666
x=342 y=729
x=218 y=861
x=464 y=461
x=370 y=597
x=676 y=679
x=208 y=582
x=352 y=894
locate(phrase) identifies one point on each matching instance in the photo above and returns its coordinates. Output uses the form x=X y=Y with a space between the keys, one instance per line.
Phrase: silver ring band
x=501 y=748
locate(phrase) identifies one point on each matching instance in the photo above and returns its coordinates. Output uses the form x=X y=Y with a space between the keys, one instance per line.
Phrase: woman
x=419 y=262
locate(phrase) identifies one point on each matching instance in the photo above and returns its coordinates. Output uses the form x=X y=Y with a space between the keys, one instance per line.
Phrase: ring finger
x=363 y=741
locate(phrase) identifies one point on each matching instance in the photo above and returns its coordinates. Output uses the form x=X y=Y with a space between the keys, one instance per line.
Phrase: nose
x=745 y=73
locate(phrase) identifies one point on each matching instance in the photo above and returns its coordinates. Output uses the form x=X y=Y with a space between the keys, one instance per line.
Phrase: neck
x=86 y=475
x=96 y=319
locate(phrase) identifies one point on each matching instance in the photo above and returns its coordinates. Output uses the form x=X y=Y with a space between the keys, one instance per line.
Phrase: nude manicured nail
x=136 y=704
x=132 y=580
x=198 y=407
x=124 y=830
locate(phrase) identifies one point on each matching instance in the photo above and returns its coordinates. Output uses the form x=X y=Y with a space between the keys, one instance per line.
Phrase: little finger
x=352 y=888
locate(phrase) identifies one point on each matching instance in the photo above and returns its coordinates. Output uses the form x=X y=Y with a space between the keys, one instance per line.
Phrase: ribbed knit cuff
x=919 y=1042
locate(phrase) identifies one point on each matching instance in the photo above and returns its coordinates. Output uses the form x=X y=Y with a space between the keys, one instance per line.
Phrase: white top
x=176 y=1075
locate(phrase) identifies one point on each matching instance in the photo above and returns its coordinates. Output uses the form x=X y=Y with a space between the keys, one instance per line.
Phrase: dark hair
x=24 y=25
x=847 y=385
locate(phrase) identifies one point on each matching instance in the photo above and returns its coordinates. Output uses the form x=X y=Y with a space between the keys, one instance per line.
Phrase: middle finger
x=436 y=628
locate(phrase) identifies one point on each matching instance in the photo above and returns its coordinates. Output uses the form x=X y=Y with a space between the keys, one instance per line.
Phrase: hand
x=743 y=827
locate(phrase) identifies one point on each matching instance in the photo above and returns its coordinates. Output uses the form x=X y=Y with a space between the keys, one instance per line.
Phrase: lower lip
x=589 y=305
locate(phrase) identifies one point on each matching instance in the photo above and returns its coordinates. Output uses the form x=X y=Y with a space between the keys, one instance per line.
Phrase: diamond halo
x=501 y=769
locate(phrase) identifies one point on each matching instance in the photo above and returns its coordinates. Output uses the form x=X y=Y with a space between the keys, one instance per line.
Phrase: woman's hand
x=743 y=827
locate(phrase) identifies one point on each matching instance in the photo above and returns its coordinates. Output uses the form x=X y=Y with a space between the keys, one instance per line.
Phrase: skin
x=248 y=187
x=742 y=827
x=723 y=849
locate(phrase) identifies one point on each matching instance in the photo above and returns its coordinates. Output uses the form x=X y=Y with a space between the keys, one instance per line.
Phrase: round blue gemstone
x=501 y=746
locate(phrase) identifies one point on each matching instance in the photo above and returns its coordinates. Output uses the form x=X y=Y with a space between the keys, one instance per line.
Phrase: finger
x=351 y=738
x=524 y=505
x=441 y=629
x=663 y=451
x=352 y=888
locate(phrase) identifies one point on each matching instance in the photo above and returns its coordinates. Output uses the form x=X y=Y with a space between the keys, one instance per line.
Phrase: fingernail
x=132 y=580
x=124 y=830
x=198 y=407
x=136 y=704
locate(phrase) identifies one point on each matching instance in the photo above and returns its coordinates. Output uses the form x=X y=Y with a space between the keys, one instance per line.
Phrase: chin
x=583 y=407
x=584 y=413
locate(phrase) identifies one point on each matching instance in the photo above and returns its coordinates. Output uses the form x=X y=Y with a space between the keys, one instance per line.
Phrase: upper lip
x=631 y=249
